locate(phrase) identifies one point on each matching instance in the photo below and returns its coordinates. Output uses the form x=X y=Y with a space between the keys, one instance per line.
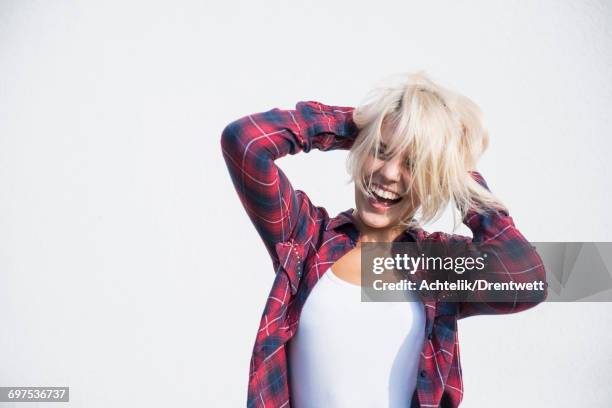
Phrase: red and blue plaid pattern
x=303 y=242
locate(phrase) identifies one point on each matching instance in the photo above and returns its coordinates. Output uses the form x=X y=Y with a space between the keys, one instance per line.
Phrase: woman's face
x=390 y=179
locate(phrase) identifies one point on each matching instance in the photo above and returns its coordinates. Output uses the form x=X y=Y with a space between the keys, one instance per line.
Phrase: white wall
x=128 y=269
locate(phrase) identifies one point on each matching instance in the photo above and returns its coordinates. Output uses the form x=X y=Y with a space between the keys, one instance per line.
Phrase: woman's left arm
x=510 y=257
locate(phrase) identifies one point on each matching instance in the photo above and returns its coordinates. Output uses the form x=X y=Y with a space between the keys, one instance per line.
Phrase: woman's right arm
x=252 y=143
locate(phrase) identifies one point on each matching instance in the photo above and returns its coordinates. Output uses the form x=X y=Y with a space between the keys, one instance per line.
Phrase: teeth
x=385 y=194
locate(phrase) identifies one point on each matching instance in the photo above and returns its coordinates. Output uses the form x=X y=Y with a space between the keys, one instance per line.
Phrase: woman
x=413 y=149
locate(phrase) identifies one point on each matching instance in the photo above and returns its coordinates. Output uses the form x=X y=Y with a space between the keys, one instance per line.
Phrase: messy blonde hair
x=440 y=131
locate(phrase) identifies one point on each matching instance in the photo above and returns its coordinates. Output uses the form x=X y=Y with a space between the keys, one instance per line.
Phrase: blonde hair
x=441 y=132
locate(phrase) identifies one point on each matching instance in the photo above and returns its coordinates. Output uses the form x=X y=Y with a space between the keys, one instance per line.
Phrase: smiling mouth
x=382 y=201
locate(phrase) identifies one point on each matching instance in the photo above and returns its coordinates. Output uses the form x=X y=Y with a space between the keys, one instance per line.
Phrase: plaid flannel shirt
x=303 y=241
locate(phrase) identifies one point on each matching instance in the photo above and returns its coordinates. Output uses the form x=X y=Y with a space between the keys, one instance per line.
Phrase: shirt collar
x=342 y=218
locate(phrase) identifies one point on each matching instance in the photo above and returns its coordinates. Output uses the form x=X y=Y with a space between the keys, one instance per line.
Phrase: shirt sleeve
x=510 y=257
x=253 y=143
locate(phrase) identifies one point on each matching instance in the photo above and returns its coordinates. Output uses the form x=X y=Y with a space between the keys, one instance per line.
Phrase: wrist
x=329 y=127
x=476 y=176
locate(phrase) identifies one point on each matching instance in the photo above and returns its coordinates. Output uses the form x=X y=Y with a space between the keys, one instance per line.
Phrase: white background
x=129 y=270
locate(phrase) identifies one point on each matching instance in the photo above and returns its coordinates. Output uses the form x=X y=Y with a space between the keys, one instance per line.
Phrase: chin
x=375 y=220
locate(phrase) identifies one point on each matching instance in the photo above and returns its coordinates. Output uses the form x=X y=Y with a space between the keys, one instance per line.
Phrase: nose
x=392 y=169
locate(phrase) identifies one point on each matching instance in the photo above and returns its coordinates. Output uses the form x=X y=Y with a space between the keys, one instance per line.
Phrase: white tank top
x=348 y=353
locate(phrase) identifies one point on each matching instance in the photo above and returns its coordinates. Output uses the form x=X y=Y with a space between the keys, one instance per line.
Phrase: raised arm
x=252 y=143
x=510 y=257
